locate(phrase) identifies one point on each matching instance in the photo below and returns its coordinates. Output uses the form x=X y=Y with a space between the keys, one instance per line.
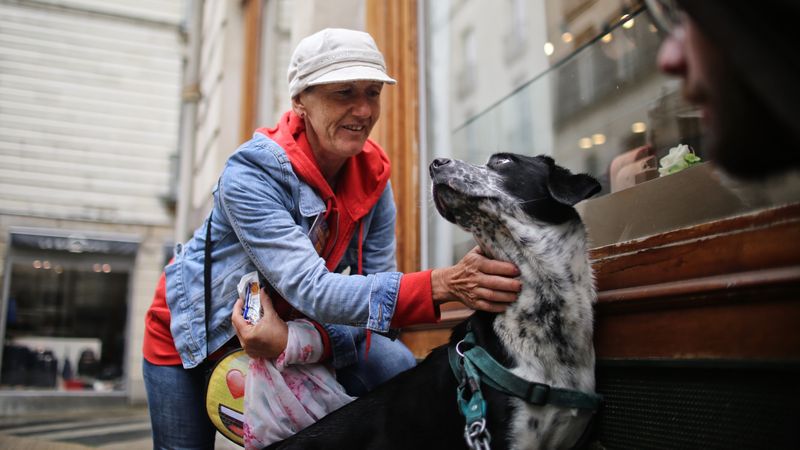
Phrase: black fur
x=415 y=410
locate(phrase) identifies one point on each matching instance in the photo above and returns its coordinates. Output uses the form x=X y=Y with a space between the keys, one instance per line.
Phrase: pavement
x=108 y=429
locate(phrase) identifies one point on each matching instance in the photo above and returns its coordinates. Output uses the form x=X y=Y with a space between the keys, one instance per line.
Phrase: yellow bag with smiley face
x=225 y=395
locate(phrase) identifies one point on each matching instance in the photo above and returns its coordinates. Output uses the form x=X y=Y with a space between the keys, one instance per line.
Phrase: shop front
x=65 y=314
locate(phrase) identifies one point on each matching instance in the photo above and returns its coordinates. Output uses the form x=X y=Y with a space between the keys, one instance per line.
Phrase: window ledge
x=693 y=196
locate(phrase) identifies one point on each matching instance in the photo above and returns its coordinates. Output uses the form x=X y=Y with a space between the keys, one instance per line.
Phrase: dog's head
x=477 y=198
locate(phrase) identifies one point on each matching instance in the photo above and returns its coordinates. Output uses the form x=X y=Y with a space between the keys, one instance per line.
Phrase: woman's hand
x=478 y=282
x=268 y=337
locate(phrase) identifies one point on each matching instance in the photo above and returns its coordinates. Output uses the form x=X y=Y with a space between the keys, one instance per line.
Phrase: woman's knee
x=388 y=358
x=401 y=358
x=384 y=360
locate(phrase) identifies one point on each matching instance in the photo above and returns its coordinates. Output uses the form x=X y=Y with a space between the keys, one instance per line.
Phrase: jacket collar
x=361 y=182
x=363 y=176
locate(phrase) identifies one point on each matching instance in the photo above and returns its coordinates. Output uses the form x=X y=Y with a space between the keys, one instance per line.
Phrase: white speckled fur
x=556 y=427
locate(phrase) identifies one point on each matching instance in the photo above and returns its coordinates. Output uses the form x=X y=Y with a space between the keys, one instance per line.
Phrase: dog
x=520 y=209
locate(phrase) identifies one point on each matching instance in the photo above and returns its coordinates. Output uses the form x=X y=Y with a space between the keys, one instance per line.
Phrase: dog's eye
x=499 y=161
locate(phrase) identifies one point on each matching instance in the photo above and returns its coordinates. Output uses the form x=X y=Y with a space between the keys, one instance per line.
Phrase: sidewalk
x=106 y=428
x=19 y=443
x=27 y=443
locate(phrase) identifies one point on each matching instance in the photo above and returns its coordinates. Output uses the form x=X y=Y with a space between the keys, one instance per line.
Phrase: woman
x=301 y=203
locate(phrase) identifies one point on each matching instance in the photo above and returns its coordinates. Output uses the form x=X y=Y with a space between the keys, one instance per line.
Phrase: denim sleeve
x=344 y=344
x=257 y=191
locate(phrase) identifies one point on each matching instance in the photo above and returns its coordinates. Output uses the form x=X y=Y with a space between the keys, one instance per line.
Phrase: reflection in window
x=584 y=89
x=597 y=103
x=469 y=63
x=520 y=137
x=515 y=41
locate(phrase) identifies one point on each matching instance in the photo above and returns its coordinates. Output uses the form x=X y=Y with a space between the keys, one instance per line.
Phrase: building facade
x=89 y=121
x=115 y=121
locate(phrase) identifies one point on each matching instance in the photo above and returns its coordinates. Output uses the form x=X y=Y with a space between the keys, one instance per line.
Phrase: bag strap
x=207 y=276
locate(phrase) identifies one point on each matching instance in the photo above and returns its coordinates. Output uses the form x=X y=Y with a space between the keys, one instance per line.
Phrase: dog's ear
x=569 y=188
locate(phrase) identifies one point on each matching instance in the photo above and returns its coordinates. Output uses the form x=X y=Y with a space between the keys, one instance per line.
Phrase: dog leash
x=472 y=408
x=468 y=365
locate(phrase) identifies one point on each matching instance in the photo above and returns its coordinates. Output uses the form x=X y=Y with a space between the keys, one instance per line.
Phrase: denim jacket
x=261 y=216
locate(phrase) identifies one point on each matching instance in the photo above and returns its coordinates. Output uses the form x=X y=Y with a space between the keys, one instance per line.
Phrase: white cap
x=334 y=55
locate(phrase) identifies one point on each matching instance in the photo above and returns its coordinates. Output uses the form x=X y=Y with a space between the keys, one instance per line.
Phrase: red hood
x=361 y=182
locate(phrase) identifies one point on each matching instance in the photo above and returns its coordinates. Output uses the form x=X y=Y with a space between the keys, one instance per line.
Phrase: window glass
x=66 y=318
x=576 y=80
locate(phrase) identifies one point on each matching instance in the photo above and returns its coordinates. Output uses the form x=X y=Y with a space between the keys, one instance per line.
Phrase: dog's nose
x=439 y=162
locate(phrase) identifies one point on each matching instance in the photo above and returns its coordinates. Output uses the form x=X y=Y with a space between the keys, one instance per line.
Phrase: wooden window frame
x=252 y=18
x=393 y=25
x=726 y=289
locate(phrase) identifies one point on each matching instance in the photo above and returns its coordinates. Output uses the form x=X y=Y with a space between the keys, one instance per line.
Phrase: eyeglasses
x=667 y=14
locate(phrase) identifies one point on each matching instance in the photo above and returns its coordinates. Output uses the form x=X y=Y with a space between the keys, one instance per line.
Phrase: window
x=469 y=63
x=516 y=40
x=66 y=313
x=591 y=97
x=696 y=274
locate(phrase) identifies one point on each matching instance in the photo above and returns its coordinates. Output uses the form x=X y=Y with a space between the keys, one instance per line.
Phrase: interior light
x=598 y=139
x=628 y=24
x=46 y=264
x=652 y=28
x=566 y=37
x=607 y=38
x=639 y=127
x=548 y=48
x=37 y=264
x=97 y=267
x=106 y=268
x=58 y=269
x=585 y=143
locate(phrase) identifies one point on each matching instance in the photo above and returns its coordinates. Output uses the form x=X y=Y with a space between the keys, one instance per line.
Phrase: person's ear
x=298 y=107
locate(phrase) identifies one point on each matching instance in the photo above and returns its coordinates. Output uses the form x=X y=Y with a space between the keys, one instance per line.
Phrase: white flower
x=677 y=159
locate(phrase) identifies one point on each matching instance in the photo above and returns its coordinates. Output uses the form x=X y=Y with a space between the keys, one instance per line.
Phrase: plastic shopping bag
x=285 y=395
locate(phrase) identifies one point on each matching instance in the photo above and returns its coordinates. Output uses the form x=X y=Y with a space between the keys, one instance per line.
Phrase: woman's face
x=339 y=116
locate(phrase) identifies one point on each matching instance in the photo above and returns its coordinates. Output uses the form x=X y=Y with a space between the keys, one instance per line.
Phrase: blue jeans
x=386 y=359
x=176 y=400
x=176 y=396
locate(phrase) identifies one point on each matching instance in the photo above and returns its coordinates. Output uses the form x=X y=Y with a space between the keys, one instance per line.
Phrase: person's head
x=335 y=82
x=730 y=54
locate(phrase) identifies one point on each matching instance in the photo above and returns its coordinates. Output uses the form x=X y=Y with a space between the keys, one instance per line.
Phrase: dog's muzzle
x=440 y=171
x=439 y=162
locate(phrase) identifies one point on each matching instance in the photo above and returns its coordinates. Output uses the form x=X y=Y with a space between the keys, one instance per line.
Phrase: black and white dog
x=519 y=209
